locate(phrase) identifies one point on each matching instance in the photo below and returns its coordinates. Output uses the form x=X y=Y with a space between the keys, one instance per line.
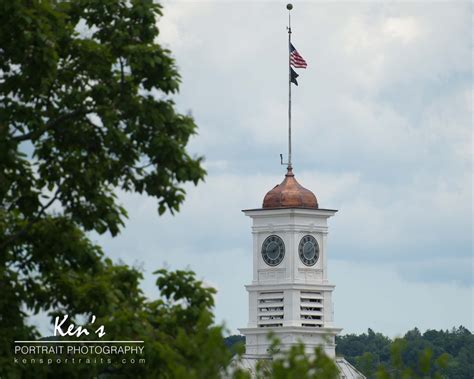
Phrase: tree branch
x=96 y=127
x=30 y=222
x=122 y=77
x=48 y=204
x=51 y=124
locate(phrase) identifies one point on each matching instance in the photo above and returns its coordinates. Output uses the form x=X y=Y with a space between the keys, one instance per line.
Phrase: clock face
x=273 y=250
x=309 y=250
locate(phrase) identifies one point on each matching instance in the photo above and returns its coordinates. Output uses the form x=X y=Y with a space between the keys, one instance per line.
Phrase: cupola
x=290 y=194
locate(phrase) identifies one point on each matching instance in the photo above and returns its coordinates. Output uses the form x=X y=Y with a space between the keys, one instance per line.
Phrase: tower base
x=258 y=342
x=249 y=363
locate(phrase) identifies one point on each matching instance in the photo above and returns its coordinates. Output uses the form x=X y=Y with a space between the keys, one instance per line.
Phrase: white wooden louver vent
x=270 y=309
x=311 y=309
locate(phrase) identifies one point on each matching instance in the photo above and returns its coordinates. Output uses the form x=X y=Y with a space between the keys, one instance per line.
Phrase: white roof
x=346 y=370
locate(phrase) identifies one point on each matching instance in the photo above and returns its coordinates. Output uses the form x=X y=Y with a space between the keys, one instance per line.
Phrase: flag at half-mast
x=296 y=60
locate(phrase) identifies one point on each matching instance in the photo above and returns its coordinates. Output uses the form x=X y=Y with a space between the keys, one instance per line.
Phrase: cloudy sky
x=382 y=132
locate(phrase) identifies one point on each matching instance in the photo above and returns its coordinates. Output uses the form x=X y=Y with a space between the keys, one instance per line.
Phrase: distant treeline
x=368 y=351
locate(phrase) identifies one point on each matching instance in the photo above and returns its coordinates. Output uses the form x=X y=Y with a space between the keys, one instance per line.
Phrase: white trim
x=271 y=212
x=291 y=329
x=290 y=285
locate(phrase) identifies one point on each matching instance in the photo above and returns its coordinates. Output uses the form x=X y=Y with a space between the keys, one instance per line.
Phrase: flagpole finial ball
x=289 y=6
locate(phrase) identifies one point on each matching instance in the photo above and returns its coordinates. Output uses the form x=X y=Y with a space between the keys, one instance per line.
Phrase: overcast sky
x=382 y=132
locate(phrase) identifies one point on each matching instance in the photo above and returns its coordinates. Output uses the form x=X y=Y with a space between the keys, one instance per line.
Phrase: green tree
x=180 y=338
x=449 y=354
x=366 y=351
x=85 y=111
x=400 y=368
x=366 y=364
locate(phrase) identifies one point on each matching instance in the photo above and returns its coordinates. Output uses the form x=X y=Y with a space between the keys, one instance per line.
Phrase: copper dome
x=290 y=194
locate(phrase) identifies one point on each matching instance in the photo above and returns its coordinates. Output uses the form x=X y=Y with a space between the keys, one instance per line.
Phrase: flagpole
x=289 y=7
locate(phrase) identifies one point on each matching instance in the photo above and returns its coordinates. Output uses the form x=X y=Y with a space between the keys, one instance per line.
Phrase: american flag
x=296 y=59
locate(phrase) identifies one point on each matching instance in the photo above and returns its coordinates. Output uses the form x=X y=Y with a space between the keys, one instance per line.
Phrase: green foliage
x=83 y=87
x=235 y=343
x=434 y=354
x=354 y=348
x=84 y=113
x=425 y=367
x=180 y=338
x=299 y=365
x=366 y=364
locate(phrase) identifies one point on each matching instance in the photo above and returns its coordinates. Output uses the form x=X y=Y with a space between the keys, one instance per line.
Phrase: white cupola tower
x=290 y=293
